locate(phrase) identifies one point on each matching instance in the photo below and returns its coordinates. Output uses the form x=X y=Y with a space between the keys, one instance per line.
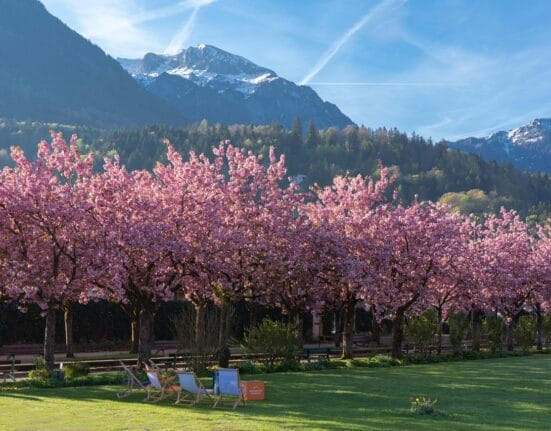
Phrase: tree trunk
x=134 y=333
x=348 y=330
x=145 y=337
x=133 y=311
x=49 y=339
x=398 y=333
x=539 y=327
x=68 y=319
x=253 y=314
x=375 y=327
x=510 y=332
x=509 y=336
x=298 y=324
x=199 y=328
x=337 y=327
x=440 y=324
x=224 y=335
x=476 y=325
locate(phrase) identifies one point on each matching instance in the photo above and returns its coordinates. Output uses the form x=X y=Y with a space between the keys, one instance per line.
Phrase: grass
x=496 y=394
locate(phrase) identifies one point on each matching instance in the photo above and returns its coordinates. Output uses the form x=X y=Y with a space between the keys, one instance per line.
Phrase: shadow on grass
x=14 y=394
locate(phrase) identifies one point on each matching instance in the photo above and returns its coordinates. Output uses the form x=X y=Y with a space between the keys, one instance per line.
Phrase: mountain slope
x=527 y=147
x=48 y=72
x=208 y=82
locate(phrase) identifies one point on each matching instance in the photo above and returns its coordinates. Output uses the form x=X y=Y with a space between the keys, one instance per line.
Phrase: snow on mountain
x=204 y=65
x=256 y=94
x=527 y=147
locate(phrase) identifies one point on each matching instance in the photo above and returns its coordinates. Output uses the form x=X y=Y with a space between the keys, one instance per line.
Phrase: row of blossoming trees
x=233 y=229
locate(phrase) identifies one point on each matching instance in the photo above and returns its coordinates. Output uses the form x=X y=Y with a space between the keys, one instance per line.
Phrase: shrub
x=422 y=328
x=39 y=362
x=41 y=374
x=424 y=406
x=247 y=367
x=272 y=342
x=459 y=323
x=525 y=332
x=76 y=369
x=384 y=361
x=492 y=327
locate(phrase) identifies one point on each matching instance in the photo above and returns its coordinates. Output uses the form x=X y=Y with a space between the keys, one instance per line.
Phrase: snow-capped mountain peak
x=208 y=82
x=204 y=65
x=527 y=147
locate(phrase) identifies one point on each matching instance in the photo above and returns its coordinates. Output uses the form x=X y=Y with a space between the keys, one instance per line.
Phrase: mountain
x=208 y=82
x=527 y=147
x=50 y=73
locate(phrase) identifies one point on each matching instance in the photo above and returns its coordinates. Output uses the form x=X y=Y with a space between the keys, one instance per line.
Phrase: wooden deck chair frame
x=164 y=385
x=219 y=398
x=134 y=383
x=193 y=398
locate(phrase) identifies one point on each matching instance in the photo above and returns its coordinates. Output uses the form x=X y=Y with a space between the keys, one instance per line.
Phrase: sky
x=444 y=69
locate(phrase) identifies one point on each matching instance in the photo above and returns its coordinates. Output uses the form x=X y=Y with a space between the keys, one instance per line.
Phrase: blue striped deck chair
x=155 y=384
x=227 y=384
x=191 y=390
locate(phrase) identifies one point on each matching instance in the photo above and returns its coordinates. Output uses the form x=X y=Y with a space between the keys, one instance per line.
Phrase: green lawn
x=504 y=394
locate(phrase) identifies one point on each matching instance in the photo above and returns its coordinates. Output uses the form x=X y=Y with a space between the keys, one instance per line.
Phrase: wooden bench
x=160 y=346
x=21 y=349
x=361 y=339
x=318 y=352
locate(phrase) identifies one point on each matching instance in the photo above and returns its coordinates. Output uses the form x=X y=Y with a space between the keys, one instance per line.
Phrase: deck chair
x=226 y=383
x=155 y=384
x=195 y=391
x=133 y=382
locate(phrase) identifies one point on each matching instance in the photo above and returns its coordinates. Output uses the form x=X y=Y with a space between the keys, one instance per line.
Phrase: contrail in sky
x=330 y=53
x=181 y=37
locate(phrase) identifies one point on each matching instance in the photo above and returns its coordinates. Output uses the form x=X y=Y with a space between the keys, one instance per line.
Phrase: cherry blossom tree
x=509 y=272
x=345 y=215
x=45 y=224
x=542 y=264
x=417 y=239
x=132 y=242
x=455 y=288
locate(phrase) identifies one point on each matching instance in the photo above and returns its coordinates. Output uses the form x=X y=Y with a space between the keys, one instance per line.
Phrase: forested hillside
x=431 y=171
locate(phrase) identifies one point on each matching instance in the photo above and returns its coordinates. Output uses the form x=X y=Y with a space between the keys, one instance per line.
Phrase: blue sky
x=441 y=68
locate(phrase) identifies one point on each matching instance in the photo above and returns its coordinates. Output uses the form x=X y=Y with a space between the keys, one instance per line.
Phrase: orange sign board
x=253 y=390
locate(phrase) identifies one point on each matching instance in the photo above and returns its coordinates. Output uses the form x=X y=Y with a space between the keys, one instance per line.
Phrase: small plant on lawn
x=274 y=342
x=424 y=406
x=525 y=332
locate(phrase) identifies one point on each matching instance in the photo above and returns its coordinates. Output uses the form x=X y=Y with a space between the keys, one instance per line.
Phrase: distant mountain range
x=208 y=82
x=527 y=148
x=50 y=73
